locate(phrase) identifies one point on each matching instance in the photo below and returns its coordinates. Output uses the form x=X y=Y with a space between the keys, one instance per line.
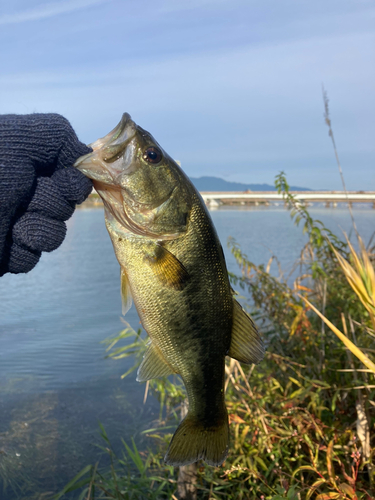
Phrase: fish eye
x=153 y=155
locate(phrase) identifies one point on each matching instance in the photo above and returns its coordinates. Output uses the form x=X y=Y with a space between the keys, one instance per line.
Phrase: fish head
x=142 y=187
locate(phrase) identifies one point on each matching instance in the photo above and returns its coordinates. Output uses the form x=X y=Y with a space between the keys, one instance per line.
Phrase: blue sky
x=231 y=88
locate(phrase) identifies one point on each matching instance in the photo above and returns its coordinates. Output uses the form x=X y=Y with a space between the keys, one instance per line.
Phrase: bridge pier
x=328 y=204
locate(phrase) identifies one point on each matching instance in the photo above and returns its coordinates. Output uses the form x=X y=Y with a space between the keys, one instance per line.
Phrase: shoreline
x=94 y=201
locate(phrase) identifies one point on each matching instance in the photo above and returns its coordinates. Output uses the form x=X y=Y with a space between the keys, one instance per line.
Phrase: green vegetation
x=302 y=421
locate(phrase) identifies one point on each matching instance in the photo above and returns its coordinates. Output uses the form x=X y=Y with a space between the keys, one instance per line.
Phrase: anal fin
x=246 y=344
x=126 y=296
x=153 y=365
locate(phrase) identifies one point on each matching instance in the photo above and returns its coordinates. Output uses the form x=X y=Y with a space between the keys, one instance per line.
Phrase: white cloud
x=46 y=10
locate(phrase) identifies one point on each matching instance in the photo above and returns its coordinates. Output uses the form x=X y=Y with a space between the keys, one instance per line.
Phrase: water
x=55 y=383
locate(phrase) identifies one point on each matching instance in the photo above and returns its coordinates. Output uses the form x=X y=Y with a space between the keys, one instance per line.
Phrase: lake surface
x=55 y=383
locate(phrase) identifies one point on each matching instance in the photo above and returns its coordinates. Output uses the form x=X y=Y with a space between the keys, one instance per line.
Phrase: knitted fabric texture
x=39 y=187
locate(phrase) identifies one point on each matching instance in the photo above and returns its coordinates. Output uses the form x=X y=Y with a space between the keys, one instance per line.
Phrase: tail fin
x=192 y=441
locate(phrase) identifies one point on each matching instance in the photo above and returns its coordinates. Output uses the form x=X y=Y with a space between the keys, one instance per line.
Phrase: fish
x=172 y=266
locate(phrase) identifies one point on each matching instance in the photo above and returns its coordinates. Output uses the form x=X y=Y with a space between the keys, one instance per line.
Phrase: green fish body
x=173 y=267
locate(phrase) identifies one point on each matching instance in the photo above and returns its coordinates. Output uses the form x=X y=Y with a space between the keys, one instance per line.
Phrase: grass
x=302 y=422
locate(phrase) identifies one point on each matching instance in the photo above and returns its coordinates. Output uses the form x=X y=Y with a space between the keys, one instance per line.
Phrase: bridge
x=216 y=198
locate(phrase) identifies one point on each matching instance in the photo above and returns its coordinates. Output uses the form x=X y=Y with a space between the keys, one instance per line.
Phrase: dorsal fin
x=153 y=365
x=246 y=344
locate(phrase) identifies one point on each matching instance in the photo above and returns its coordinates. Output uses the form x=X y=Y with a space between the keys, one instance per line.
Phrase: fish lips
x=111 y=153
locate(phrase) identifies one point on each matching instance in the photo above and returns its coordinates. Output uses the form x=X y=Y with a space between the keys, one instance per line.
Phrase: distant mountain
x=217 y=184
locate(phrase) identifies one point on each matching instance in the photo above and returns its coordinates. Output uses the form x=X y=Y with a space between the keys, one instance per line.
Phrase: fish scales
x=187 y=334
x=173 y=266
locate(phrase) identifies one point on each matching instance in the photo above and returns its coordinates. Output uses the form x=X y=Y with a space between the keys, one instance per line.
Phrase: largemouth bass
x=173 y=267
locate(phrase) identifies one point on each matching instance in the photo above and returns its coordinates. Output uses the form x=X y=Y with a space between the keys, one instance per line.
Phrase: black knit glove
x=39 y=187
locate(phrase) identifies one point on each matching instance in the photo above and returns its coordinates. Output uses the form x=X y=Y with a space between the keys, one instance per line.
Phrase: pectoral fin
x=126 y=296
x=246 y=344
x=167 y=268
x=153 y=365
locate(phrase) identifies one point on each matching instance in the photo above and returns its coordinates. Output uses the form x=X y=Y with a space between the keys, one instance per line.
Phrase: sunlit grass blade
x=348 y=343
x=360 y=275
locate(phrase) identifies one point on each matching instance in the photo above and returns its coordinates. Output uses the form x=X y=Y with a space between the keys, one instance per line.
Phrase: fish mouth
x=101 y=164
x=111 y=158
x=115 y=135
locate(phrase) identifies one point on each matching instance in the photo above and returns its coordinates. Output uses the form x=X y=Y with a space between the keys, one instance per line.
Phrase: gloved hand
x=39 y=187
